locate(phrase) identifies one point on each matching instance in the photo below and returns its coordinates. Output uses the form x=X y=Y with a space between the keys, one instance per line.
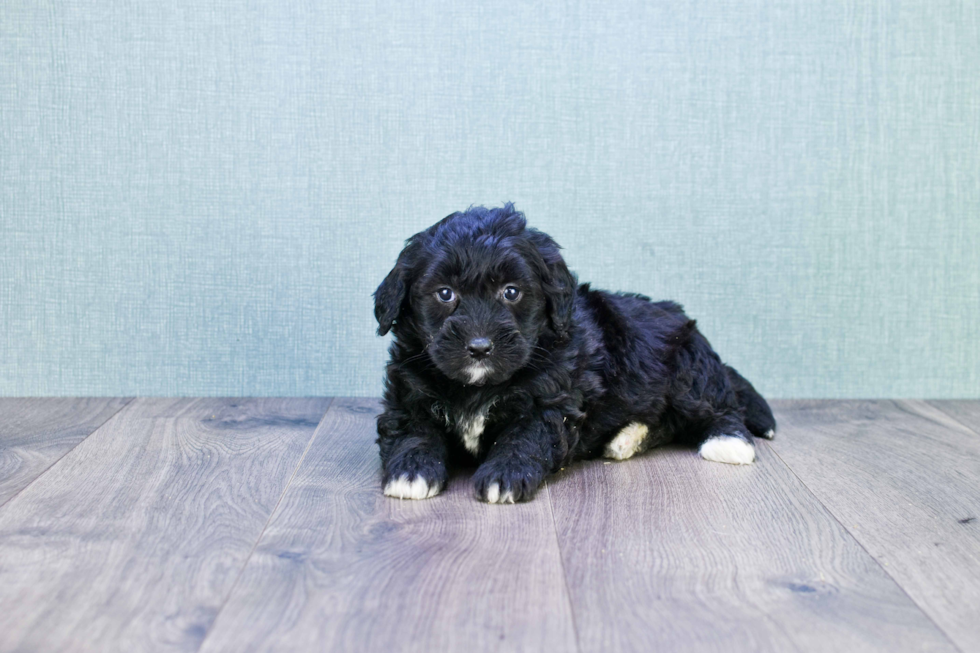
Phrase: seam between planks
x=953 y=417
x=128 y=400
x=561 y=563
x=265 y=526
x=863 y=548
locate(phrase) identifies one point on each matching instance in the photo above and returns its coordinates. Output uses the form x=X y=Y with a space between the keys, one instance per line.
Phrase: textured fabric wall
x=199 y=196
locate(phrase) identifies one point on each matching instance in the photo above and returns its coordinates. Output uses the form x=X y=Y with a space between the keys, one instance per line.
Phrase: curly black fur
x=501 y=358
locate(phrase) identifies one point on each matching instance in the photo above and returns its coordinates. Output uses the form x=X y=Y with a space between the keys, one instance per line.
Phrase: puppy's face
x=480 y=309
x=475 y=293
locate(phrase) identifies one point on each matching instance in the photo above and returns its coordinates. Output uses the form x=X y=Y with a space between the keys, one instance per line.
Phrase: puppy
x=502 y=359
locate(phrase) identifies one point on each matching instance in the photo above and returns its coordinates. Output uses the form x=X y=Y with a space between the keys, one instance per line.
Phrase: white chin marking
x=627 y=442
x=494 y=495
x=477 y=373
x=770 y=434
x=728 y=449
x=400 y=488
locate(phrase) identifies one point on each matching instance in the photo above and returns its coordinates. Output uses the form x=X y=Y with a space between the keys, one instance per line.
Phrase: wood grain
x=36 y=432
x=668 y=552
x=343 y=568
x=904 y=478
x=966 y=413
x=132 y=541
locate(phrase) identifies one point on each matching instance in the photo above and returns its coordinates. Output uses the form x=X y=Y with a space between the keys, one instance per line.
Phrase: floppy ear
x=557 y=283
x=388 y=298
x=561 y=298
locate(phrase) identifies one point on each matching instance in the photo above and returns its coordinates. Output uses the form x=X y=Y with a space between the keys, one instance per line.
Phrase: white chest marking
x=471 y=429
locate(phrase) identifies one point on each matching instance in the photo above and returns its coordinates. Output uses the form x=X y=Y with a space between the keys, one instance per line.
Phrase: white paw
x=770 y=434
x=627 y=442
x=728 y=449
x=494 y=495
x=400 y=488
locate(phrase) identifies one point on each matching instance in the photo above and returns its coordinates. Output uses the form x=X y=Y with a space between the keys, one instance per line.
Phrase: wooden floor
x=258 y=525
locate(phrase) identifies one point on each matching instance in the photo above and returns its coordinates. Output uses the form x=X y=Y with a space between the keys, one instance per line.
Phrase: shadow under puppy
x=501 y=358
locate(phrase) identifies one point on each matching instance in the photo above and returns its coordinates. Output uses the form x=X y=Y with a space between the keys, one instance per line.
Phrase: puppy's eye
x=512 y=293
x=445 y=295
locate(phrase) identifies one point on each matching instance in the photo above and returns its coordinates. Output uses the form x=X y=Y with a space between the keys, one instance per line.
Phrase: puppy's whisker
x=417 y=356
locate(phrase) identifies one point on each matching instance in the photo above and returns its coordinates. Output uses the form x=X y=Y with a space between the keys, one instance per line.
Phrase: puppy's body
x=502 y=359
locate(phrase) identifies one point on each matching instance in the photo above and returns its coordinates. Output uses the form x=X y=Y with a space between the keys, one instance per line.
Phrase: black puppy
x=499 y=357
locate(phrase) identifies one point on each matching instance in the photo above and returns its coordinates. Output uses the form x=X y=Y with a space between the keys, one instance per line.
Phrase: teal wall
x=197 y=197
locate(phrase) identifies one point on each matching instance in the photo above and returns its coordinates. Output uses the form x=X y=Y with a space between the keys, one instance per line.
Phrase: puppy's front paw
x=414 y=476
x=417 y=488
x=506 y=481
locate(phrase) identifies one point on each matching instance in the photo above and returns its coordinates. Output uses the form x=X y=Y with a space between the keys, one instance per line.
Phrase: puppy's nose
x=479 y=347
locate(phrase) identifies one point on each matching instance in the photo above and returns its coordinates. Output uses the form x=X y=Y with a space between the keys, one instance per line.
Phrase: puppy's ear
x=557 y=282
x=389 y=298
x=561 y=298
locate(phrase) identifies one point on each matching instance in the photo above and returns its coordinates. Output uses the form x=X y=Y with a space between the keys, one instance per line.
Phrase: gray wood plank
x=132 y=541
x=964 y=412
x=668 y=552
x=343 y=568
x=36 y=432
x=904 y=479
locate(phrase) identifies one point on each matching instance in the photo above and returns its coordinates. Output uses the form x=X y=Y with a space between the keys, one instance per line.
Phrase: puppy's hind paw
x=731 y=449
x=628 y=442
x=419 y=488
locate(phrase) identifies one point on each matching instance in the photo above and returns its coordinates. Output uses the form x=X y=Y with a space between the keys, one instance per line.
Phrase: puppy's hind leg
x=629 y=441
x=758 y=415
x=728 y=441
x=636 y=438
x=705 y=405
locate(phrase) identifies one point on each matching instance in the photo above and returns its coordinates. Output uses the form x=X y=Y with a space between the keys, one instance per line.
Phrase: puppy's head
x=476 y=291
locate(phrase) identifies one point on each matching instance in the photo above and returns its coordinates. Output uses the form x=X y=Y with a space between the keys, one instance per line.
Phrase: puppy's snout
x=479 y=347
